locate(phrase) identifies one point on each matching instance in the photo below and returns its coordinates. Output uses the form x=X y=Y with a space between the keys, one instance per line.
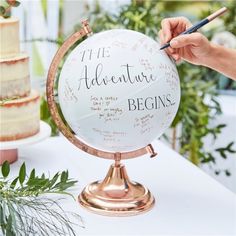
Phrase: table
x=188 y=201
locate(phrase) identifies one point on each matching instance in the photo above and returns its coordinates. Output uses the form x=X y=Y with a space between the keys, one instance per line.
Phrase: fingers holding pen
x=166 y=30
x=171 y=28
x=167 y=35
x=195 y=39
x=169 y=50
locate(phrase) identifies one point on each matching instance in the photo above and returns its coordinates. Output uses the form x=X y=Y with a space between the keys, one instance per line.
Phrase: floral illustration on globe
x=118 y=91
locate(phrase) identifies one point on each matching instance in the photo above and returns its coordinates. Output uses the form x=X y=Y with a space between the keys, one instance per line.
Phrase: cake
x=20 y=117
x=19 y=105
x=9 y=40
x=14 y=74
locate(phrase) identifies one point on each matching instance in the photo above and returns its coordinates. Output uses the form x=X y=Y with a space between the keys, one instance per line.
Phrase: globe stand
x=116 y=195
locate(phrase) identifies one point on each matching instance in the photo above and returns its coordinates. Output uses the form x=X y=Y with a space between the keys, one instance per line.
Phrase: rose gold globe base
x=116 y=195
x=10 y=155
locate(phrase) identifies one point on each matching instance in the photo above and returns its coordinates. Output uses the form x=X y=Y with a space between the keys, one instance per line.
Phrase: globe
x=117 y=91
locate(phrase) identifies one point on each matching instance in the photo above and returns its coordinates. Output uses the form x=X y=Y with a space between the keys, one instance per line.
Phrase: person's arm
x=222 y=60
x=195 y=48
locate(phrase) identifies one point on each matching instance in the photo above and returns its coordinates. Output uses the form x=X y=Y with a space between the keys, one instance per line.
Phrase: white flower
x=225 y=39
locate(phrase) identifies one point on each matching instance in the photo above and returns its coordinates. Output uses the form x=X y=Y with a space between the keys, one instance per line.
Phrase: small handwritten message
x=105 y=108
x=110 y=136
x=171 y=76
x=144 y=123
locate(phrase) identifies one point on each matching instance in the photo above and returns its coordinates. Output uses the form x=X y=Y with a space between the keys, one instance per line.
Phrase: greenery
x=195 y=114
x=5 y=7
x=199 y=103
x=5 y=100
x=46 y=116
x=25 y=208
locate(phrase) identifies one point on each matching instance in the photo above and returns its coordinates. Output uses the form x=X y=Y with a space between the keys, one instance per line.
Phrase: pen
x=198 y=25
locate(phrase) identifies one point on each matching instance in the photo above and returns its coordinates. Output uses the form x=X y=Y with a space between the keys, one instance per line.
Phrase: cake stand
x=9 y=149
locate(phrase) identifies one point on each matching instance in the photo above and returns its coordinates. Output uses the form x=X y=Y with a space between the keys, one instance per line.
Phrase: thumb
x=188 y=39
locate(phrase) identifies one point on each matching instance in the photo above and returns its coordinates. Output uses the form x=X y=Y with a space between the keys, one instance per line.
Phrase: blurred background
x=204 y=130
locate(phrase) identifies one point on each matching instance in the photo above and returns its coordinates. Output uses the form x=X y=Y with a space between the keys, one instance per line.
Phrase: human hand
x=193 y=48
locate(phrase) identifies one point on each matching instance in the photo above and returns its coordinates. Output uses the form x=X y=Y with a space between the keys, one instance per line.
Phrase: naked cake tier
x=19 y=118
x=14 y=76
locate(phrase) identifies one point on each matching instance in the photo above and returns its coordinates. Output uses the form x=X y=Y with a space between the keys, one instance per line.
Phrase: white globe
x=118 y=91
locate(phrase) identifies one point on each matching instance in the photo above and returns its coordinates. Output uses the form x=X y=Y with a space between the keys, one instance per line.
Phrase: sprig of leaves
x=25 y=211
x=228 y=148
x=5 y=7
x=3 y=101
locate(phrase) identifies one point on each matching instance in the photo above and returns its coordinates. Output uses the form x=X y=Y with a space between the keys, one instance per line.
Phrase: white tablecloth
x=188 y=202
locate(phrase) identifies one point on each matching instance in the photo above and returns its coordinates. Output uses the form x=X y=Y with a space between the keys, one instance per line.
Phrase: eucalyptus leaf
x=222 y=153
x=230 y=145
x=2 y=10
x=221 y=126
x=5 y=169
x=53 y=180
x=14 y=182
x=22 y=173
x=32 y=175
x=64 y=176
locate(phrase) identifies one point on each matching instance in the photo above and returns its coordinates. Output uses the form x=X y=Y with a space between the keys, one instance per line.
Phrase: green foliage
x=198 y=104
x=5 y=7
x=22 y=174
x=228 y=148
x=3 y=101
x=44 y=5
x=142 y=16
x=5 y=169
x=24 y=210
x=230 y=18
x=46 y=116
